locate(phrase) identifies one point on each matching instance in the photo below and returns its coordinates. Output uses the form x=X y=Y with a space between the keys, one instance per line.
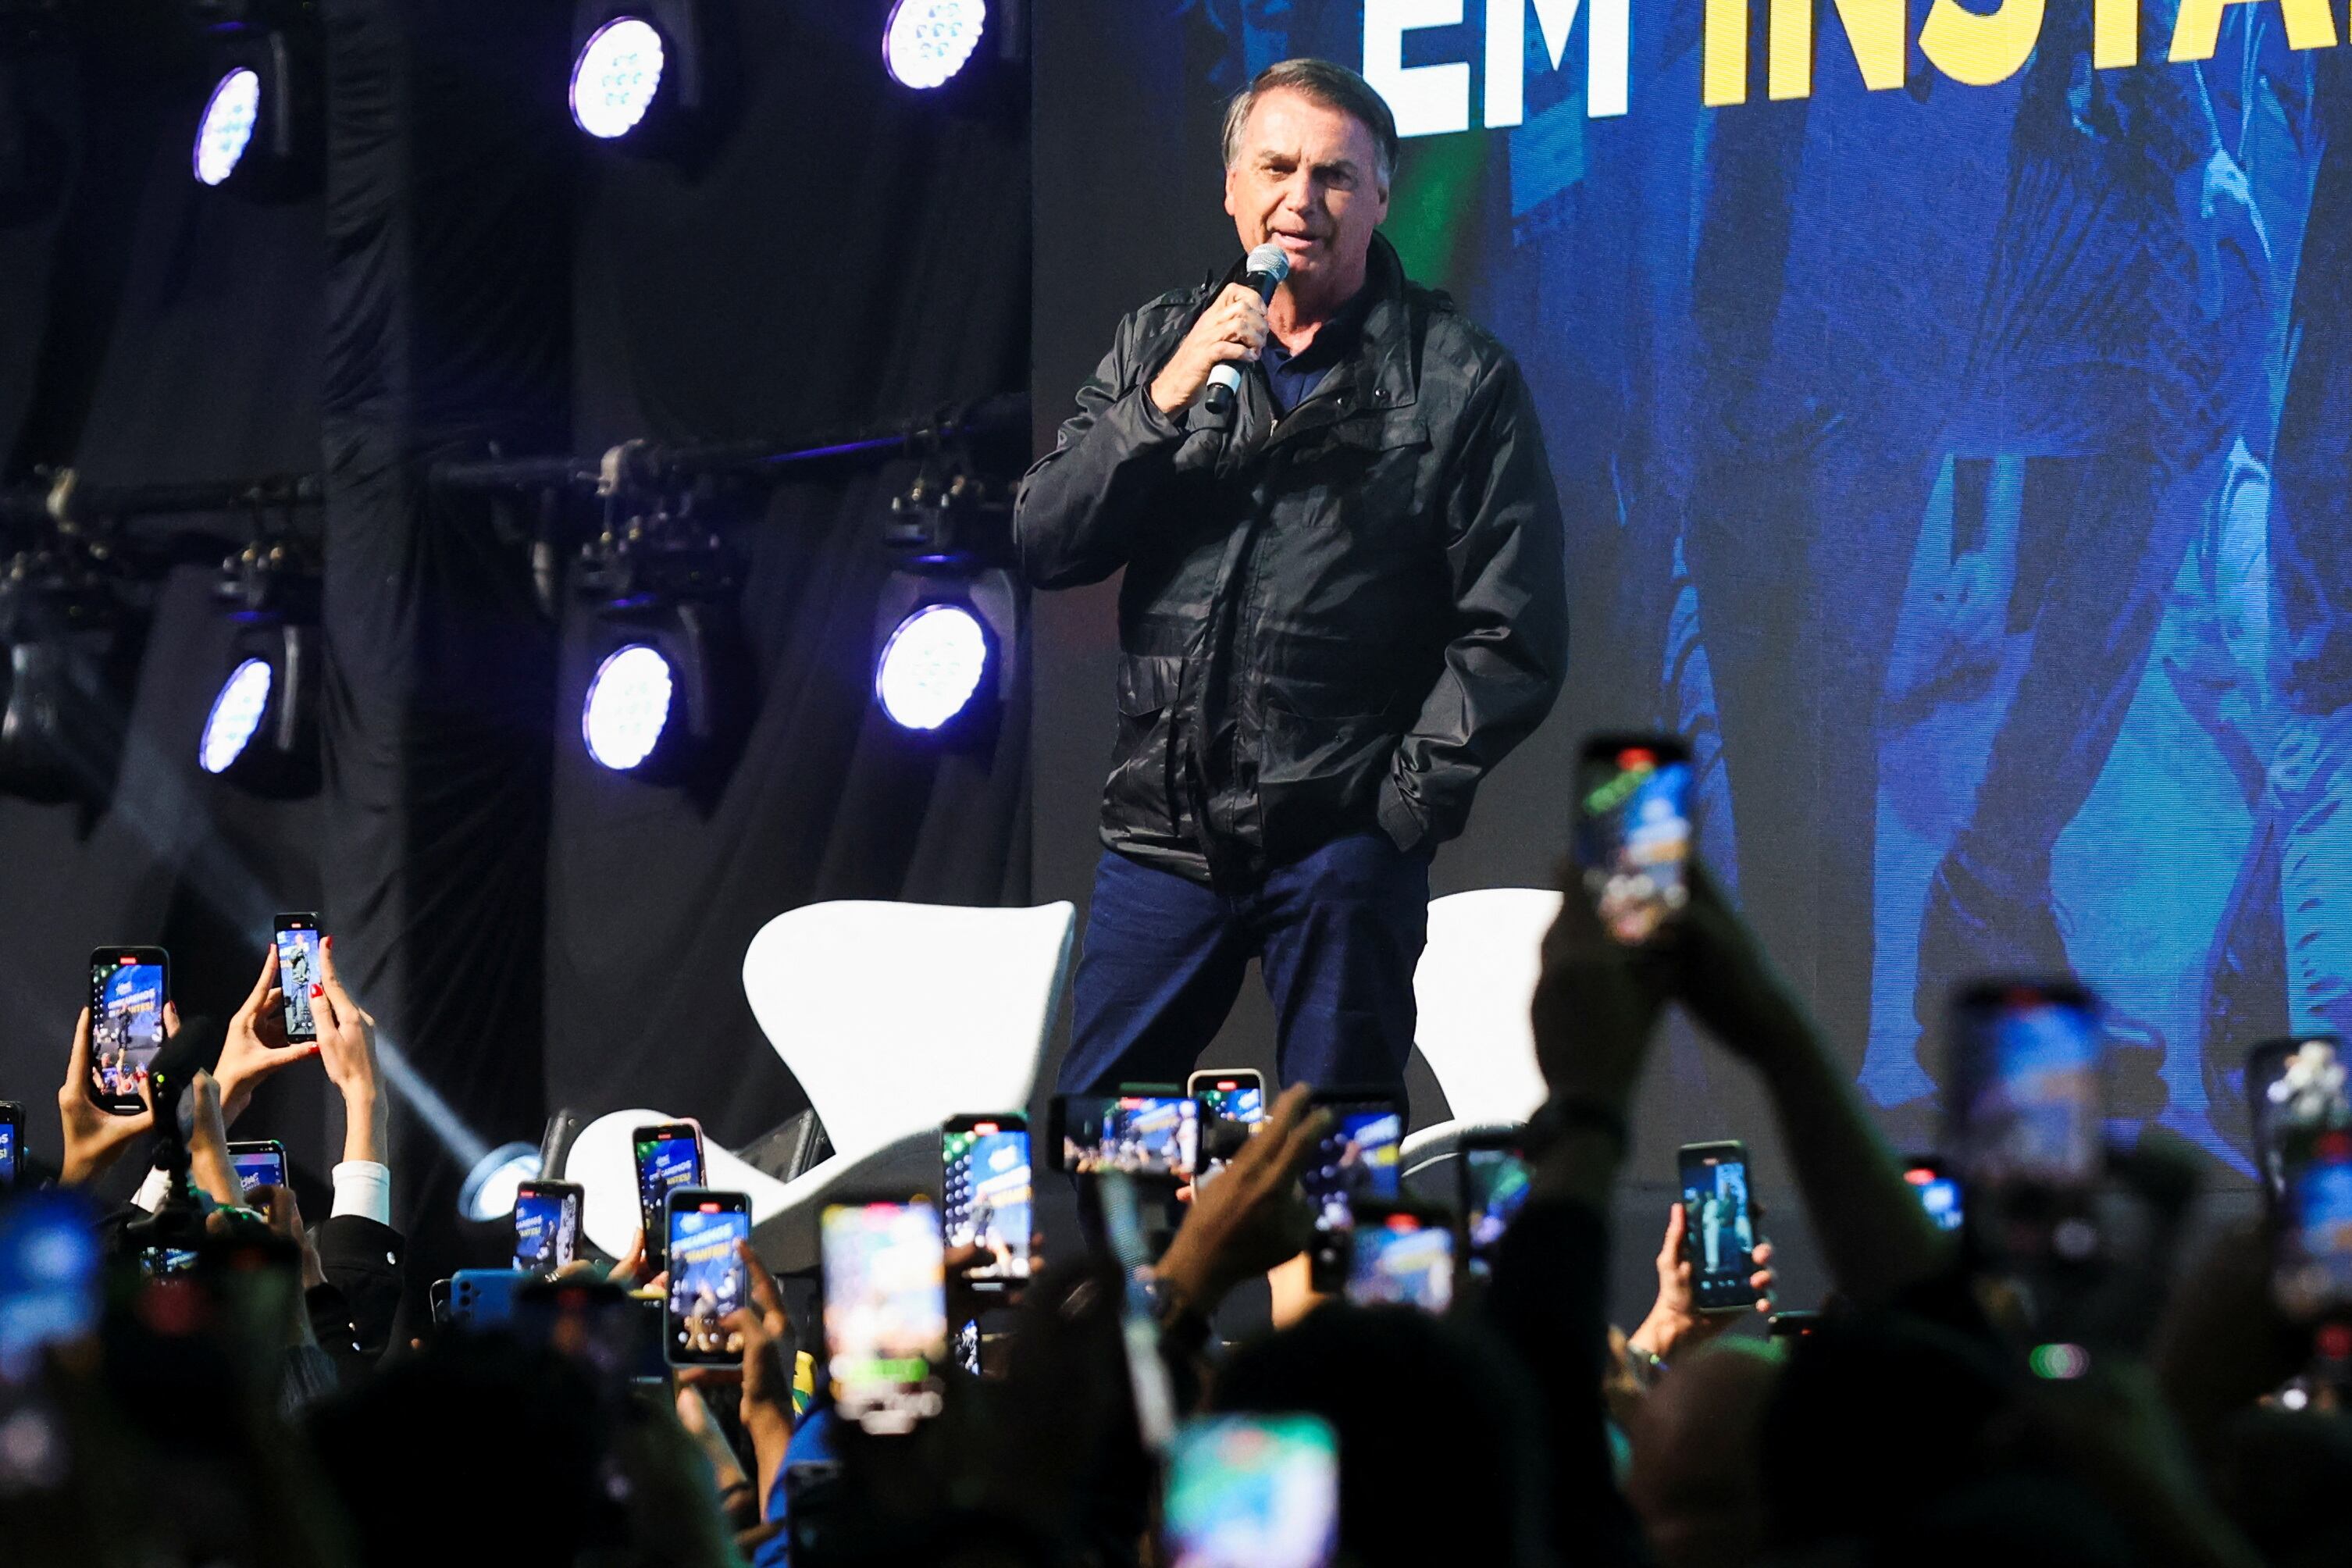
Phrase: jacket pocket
x=1139 y=799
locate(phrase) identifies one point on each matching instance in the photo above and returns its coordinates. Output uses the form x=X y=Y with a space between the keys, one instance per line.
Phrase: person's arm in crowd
x=763 y=1378
x=360 y=1253
x=208 y=1162
x=1878 y=1239
x=94 y=1137
x=256 y=1045
x=1674 y=1324
x=1252 y=1219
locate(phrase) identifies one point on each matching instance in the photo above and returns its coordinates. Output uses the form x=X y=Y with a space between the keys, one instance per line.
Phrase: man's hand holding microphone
x=1230 y=333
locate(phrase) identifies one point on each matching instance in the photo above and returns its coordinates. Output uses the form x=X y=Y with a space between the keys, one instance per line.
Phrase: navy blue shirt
x=1292 y=378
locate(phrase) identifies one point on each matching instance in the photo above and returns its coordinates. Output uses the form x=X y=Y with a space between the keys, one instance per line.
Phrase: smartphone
x=1253 y=1491
x=706 y=1276
x=986 y=1212
x=670 y=1154
x=1400 y=1256
x=885 y=1311
x=1494 y=1177
x=1134 y=1135
x=12 y=1138
x=1791 y=1325
x=259 y=1165
x=1718 y=1224
x=128 y=988
x=2295 y=1090
x=1228 y=1094
x=547 y=1224
x=616 y=1336
x=484 y=1298
x=50 y=1261
x=2312 y=1257
x=1937 y=1190
x=299 y=963
x=1632 y=833
x=1357 y=1160
x=2027 y=1104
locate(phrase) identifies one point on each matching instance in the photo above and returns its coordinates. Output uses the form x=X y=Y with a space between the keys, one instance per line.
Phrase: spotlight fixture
x=926 y=42
x=666 y=697
x=945 y=646
x=261 y=733
x=629 y=706
x=647 y=74
x=616 y=75
x=490 y=1187
x=260 y=131
x=225 y=128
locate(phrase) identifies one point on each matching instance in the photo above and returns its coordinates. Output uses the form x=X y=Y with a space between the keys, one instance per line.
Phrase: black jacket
x=1341 y=619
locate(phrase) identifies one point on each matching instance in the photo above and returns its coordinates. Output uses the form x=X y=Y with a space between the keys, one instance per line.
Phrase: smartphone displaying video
x=128 y=988
x=1632 y=833
x=885 y=1312
x=299 y=963
x=986 y=1209
x=2313 y=1270
x=1938 y=1191
x=668 y=1154
x=707 y=1278
x=1791 y=1326
x=1134 y=1135
x=1253 y=1491
x=1494 y=1177
x=547 y=1224
x=1718 y=1224
x=261 y=1163
x=2028 y=1102
x=2295 y=1090
x=1357 y=1160
x=595 y=1322
x=1229 y=1094
x=12 y=1134
x=1400 y=1256
x=51 y=1259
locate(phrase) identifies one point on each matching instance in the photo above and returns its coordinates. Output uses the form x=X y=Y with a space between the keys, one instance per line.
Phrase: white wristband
x=363 y=1187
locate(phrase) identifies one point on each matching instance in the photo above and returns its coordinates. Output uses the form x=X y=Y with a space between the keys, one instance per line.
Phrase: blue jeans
x=1337 y=935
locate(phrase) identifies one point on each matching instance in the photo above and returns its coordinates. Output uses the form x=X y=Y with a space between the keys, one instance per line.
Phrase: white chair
x=604 y=1161
x=1472 y=987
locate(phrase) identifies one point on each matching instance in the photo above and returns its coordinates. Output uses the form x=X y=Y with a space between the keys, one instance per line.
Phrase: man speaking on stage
x=1344 y=602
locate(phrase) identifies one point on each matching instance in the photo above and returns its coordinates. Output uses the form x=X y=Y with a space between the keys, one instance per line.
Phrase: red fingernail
x=326 y=942
x=318 y=991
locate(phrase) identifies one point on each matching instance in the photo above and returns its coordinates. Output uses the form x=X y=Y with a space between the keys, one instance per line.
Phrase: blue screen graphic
x=258 y=1169
x=1356 y=1159
x=547 y=1228
x=705 y=1276
x=985 y=1189
x=298 y=962
x=664 y=1164
x=126 y=1029
x=7 y=1154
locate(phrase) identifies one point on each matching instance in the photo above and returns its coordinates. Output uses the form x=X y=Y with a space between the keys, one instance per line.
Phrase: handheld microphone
x=1267 y=268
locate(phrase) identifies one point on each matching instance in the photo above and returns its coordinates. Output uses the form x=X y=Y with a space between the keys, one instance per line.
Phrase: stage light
x=236 y=714
x=628 y=707
x=932 y=667
x=227 y=127
x=616 y=77
x=65 y=684
x=489 y=1188
x=926 y=42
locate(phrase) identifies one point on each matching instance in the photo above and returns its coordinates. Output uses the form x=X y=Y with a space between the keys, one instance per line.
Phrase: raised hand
x=1253 y=1217
x=346 y=1050
x=1674 y=1322
x=256 y=1045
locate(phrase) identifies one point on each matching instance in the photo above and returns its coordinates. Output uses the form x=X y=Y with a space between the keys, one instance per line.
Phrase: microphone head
x=1269 y=260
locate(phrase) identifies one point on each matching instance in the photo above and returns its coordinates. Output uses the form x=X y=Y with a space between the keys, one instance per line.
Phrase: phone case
x=484 y=1298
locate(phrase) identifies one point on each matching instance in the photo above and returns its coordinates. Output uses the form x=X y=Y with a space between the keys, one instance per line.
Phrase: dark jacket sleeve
x=1076 y=519
x=1508 y=653
x=361 y=1259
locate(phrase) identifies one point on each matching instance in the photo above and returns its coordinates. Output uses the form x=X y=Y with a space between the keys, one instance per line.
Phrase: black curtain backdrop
x=851 y=255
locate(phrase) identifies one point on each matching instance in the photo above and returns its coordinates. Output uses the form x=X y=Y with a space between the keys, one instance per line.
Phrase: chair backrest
x=604 y=1161
x=893 y=1016
x=1473 y=986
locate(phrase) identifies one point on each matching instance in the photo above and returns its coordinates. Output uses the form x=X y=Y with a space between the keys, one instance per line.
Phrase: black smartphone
x=1718 y=1224
x=670 y=1154
x=2028 y=1103
x=1358 y=1160
x=1400 y=1255
x=1791 y=1325
x=128 y=988
x=299 y=963
x=706 y=1276
x=12 y=1138
x=547 y=1224
x=987 y=1215
x=1134 y=1135
x=1229 y=1094
x=259 y=1164
x=2312 y=1260
x=1493 y=1173
x=1632 y=833
x=1937 y=1190
x=885 y=1311
x=2295 y=1090
x=615 y=1336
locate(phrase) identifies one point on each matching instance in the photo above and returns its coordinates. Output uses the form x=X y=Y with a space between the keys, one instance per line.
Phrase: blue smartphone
x=707 y=1278
x=261 y=1164
x=1400 y=1256
x=668 y=1154
x=484 y=1298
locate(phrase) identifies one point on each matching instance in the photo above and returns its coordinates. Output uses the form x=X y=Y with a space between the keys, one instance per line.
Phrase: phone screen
x=1356 y=1159
x=706 y=1275
x=1719 y=1234
x=669 y=1156
x=2026 y=1086
x=1634 y=836
x=1938 y=1193
x=987 y=1209
x=886 y=1313
x=1254 y=1491
x=1232 y=1099
x=126 y=1023
x=1402 y=1260
x=2314 y=1243
x=547 y=1226
x=9 y=1124
x=257 y=1168
x=49 y=1263
x=1135 y=1134
x=1494 y=1190
x=2296 y=1090
x=299 y=963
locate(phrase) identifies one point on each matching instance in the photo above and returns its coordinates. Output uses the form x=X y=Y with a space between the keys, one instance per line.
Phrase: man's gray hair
x=1333 y=87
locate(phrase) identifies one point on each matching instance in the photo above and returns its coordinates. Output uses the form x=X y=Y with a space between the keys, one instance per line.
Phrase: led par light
x=665 y=700
x=259 y=129
x=261 y=733
x=926 y=42
x=945 y=648
x=645 y=74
